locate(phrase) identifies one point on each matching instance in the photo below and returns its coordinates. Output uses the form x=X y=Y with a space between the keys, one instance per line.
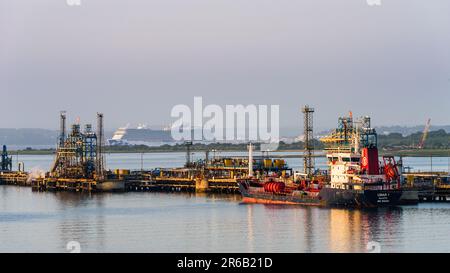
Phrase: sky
x=134 y=60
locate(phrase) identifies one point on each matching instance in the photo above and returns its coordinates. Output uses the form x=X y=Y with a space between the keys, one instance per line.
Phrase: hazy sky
x=135 y=59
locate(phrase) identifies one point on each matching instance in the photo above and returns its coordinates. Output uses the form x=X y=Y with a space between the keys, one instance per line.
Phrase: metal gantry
x=6 y=160
x=188 y=152
x=308 y=161
x=80 y=153
x=351 y=135
x=100 y=160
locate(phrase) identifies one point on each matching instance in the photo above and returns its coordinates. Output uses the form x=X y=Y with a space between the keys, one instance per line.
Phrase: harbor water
x=136 y=161
x=189 y=222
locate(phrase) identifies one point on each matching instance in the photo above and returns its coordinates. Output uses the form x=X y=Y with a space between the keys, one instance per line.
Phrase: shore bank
x=318 y=153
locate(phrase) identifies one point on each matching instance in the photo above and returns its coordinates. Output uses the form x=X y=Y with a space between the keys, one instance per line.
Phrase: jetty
x=79 y=166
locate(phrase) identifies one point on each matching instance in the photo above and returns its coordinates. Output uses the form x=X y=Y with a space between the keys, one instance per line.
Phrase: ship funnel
x=369 y=161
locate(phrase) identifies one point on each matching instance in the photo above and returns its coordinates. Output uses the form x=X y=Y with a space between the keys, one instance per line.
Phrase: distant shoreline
x=319 y=153
x=437 y=145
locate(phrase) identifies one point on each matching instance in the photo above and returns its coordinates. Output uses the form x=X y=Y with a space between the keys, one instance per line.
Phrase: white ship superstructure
x=141 y=135
x=353 y=160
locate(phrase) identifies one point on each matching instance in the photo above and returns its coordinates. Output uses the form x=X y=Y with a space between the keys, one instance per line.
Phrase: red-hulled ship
x=355 y=177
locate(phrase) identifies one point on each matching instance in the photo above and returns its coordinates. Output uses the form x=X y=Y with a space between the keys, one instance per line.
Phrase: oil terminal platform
x=79 y=167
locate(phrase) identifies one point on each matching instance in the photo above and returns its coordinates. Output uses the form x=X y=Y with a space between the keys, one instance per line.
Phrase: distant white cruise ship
x=141 y=136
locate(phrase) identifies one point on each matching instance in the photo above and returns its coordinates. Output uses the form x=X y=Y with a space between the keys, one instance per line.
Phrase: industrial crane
x=425 y=134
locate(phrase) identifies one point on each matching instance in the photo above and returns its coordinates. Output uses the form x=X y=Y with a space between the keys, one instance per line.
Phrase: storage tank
x=268 y=163
x=279 y=163
x=124 y=172
x=228 y=163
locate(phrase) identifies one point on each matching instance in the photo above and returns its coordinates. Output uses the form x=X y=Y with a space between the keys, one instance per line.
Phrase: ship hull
x=327 y=197
x=360 y=198
x=279 y=199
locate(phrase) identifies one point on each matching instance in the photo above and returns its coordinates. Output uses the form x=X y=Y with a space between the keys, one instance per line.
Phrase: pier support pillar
x=201 y=185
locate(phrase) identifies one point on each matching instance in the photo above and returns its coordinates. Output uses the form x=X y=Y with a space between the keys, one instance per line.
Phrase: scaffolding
x=6 y=160
x=308 y=160
x=351 y=135
x=100 y=160
x=80 y=153
x=188 y=153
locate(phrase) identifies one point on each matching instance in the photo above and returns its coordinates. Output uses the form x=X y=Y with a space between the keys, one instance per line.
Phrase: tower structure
x=308 y=161
x=80 y=151
x=100 y=164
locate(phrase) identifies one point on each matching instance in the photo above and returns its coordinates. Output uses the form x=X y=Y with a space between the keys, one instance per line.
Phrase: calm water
x=163 y=222
x=169 y=160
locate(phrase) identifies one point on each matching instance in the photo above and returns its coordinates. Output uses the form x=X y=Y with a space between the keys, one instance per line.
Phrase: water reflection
x=351 y=230
x=78 y=223
x=190 y=222
x=308 y=229
x=386 y=225
x=340 y=230
x=250 y=229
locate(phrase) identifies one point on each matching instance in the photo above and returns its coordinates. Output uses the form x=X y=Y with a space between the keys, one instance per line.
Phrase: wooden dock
x=58 y=184
x=14 y=178
x=439 y=193
x=184 y=185
x=431 y=187
x=174 y=180
x=214 y=179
